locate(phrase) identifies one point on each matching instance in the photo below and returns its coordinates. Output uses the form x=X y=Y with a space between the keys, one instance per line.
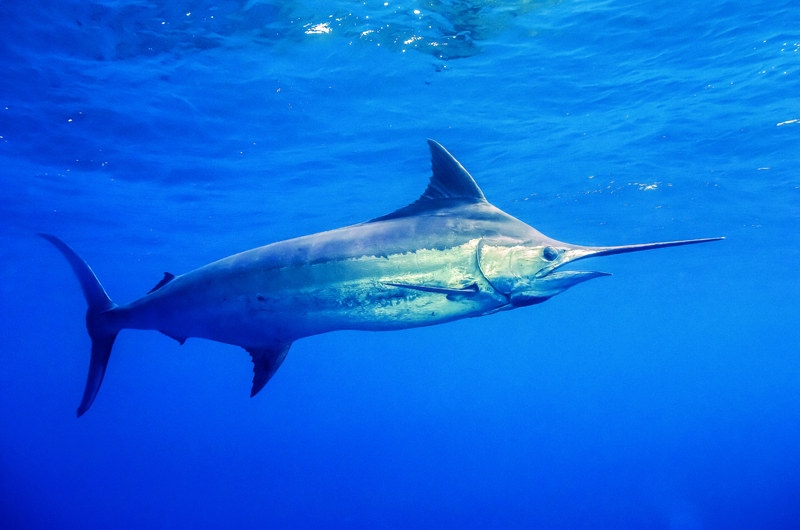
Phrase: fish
x=447 y=256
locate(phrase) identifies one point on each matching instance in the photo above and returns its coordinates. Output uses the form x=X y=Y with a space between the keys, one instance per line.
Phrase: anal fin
x=266 y=361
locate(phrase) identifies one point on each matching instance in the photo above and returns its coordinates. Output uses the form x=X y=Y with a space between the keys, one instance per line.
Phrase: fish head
x=528 y=272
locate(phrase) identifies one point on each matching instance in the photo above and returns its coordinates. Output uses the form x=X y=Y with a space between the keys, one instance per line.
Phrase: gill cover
x=523 y=271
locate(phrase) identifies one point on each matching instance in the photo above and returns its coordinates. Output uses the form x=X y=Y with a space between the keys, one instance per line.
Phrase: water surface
x=160 y=136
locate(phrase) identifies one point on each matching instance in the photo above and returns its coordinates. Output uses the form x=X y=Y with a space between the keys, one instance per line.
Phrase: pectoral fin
x=470 y=290
x=266 y=362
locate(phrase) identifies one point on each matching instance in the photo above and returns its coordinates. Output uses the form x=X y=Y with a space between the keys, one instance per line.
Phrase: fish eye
x=549 y=253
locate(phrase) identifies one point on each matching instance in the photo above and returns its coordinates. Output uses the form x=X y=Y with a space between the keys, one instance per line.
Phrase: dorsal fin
x=168 y=277
x=449 y=181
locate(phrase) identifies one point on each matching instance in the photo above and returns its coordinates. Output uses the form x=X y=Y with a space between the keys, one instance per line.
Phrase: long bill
x=608 y=251
x=576 y=252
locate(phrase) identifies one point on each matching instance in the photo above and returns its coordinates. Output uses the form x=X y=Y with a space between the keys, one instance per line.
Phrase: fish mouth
x=559 y=281
x=542 y=289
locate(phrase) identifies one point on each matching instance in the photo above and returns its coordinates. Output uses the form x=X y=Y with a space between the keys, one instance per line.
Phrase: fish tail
x=101 y=327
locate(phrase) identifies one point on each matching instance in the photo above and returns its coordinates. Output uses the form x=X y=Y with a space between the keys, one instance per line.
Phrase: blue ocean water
x=159 y=136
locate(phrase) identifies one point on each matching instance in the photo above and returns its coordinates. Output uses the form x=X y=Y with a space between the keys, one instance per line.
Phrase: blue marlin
x=449 y=255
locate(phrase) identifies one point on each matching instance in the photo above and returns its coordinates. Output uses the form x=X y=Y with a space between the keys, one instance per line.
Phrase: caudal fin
x=97 y=323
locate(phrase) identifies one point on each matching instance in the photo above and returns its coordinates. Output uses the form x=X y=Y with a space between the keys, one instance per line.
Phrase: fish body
x=450 y=255
x=342 y=279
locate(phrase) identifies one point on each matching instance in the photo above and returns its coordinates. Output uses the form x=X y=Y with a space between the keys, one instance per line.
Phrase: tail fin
x=100 y=332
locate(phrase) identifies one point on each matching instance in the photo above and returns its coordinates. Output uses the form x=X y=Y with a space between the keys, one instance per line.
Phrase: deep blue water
x=160 y=136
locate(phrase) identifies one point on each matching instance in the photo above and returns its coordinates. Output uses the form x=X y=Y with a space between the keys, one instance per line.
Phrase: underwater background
x=159 y=136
